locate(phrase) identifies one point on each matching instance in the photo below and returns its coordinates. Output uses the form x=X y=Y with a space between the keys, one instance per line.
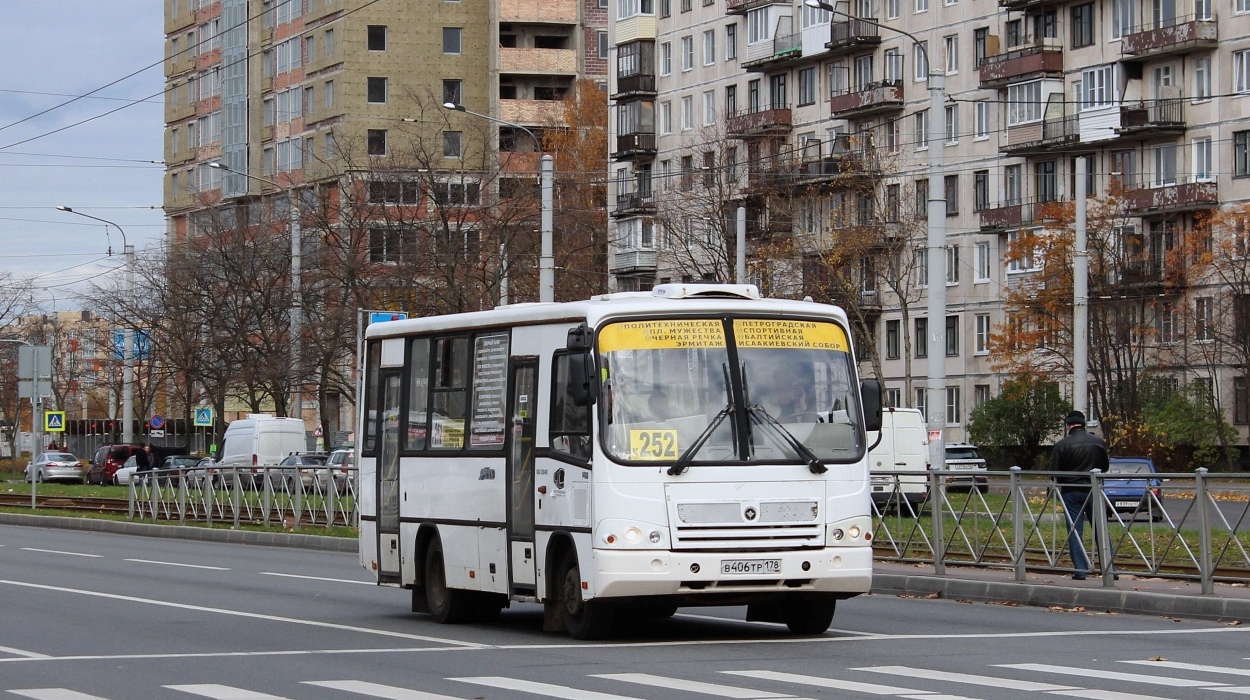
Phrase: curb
x=1039 y=595
x=250 y=537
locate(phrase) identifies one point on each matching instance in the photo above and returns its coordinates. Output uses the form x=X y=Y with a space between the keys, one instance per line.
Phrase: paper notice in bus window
x=448 y=434
x=795 y=335
x=662 y=335
x=653 y=445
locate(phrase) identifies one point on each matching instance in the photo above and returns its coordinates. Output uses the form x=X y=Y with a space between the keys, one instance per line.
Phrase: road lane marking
x=55 y=694
x=831 y=683
x=23 y=653
x=1181 y=666
x=1240 y=690
x=377 y=690
x=548 y=689
x=1091 y=694
x=254 y=616
x=723 y=691
x=1113 y=675
x=224 y=692
x=174 y=563
x=318 y=578
x=968 y=678
x=57 y=551
x=239 y=654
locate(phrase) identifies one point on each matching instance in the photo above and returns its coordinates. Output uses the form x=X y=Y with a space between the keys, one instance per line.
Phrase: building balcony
x=532 y=112
x=1183 y=36
x=741 y=7
x=1146 y=200
x=1043 y=59
x=632 y=261
x=1021 y=5
x=637 y=85
x=869 y=302
x=769 y=120
x=1017 y=215
x=634 y=204
x=1049 y=135
x=1152 y=117
x=874 y=98
x=538 y=11
x=787 y=48
x=635 y=146
x=853 y=35
x=527 y=61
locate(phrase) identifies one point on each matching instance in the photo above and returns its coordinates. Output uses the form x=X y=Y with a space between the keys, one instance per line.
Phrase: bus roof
x=665 y=299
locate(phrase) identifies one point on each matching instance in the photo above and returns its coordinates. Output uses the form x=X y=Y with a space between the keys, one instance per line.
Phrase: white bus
x=621 y=456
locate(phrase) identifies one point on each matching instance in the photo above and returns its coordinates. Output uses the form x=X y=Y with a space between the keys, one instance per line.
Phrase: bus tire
x=808 y=615
x=584 y=619
x=447 y=605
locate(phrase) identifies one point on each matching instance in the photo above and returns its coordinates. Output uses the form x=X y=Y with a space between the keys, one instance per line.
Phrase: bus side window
x=374 y=355
x=418 y=394
x=451 y=361
x=570 y=423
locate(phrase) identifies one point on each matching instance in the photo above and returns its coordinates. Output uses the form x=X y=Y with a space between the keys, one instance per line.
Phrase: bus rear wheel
x=808 y=615
x=584 y=619
x=447 y=605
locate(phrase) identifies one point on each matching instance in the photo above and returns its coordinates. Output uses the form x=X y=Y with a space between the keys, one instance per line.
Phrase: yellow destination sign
x=653 y=445
x=662 y=335
x=804 y=335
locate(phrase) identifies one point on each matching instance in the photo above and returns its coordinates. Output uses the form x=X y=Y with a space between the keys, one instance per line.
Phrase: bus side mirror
x=578 y=339
x=870 y=396
x=583 y=389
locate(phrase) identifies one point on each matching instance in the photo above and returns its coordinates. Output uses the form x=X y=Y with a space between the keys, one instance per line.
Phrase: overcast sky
x=50 y=52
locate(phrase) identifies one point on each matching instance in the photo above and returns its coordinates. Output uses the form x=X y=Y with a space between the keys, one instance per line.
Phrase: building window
x=391 y=244
x=731 y=42
x=451 y=40
x=807 y=86
x=687 y=173
x=1202 y=78
x=952 y=264
x=921 y=396
x=891 y=9
x=1241 y=404
x=687 y=113
x=952 y=336
x=1240 y=6
x=709 y=108
x=1097 y=87
x=951 y=183
x=709 y=47
x=1122 y=18
x=451 y=91
x=921 y=336
x=952 y=405
x=1165 y=323
x=952 y=53
x=922 y=267
x=892 y=344
x=376 y=142
x=376 y=37
x=921 y=122
x=980 y=44
x=376 y=91
x=921 y=6
x=666 y=117
x=920 y=57
x=603 y=45
x=892 y=203
x=1204 y=314
x=982 y=341
x=980 y=395
x=1241 y=71
x=1241 y=153
x=687 y=53
x=666 y=58
x=451 y=144
x=982 y=263
x=1045 y=181
x=1083 y=25
x=922 y=199
x=952 y=124
x=328 y=94
x=981 y=190
x=1202 y=159
x=1024 y=103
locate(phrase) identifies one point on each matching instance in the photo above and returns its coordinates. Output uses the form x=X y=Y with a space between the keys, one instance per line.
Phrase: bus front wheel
x=584 y=619
x=447 y=605
x=808 y=615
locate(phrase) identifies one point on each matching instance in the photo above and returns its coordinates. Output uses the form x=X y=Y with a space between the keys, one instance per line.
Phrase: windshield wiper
x=683 y=462
x=763 y=418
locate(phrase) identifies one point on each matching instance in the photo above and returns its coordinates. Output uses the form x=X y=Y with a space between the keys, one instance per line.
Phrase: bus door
x=388 y=477
x=522 y=412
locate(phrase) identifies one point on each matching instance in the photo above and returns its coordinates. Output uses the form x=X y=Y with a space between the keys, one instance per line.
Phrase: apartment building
x=1151 y=96
x=299 y=95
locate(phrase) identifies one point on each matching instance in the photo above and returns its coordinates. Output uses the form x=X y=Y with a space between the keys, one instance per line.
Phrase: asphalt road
x=94 y=615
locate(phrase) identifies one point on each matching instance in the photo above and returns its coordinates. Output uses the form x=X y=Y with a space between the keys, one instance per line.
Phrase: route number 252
x=652 y=445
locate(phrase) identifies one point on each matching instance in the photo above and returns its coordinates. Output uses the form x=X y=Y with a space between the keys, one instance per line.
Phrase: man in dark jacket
x=1078 y=454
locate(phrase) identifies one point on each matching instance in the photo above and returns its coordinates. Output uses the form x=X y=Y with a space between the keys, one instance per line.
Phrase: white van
x=261 y=440
x=900 y=461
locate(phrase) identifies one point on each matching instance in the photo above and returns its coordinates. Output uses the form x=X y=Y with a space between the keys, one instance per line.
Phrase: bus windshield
x=728 y=390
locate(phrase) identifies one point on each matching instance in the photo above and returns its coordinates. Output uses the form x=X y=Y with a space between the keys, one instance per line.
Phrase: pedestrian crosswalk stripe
x=1180 y=666
x=1113 y=675
x=377 y=690
x=723 y=691
x=55 y=694
x=555 y=691
x=832 y=683
x=968 y=678
x=224 y=692
x=1236 y=690
x=1091 y=694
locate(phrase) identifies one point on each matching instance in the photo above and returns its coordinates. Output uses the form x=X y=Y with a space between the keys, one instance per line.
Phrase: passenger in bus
x=791 y=393
x=659 y=405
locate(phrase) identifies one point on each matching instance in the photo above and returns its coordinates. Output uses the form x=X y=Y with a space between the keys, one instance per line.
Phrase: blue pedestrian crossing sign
x=203 y=416
x=54 y=421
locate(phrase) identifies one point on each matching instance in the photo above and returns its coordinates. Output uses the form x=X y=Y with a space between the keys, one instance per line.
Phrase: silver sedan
x=56 y=466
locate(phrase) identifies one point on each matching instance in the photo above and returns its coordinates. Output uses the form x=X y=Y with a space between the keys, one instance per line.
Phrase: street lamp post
x=297 y=301
x=128 y=337
x=935 y=402
x=546 y=260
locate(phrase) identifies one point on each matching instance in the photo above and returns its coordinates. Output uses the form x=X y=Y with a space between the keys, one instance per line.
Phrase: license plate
x=750 y=566
x=1126 y=504
x=961 y=467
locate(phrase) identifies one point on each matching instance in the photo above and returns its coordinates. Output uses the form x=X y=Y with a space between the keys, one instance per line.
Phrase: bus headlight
x=619 y=534
x=852 y=532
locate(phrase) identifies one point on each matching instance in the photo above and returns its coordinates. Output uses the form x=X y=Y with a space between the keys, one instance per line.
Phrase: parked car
x=342 y=464
x=175 y=466
x=107 y=460
x=1125 y=494
x=126 y=474
x=962 y=457
x=56 y=466
x=307 y=465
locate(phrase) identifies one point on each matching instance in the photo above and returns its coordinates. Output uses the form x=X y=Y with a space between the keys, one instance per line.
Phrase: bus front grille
x=747 y=536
